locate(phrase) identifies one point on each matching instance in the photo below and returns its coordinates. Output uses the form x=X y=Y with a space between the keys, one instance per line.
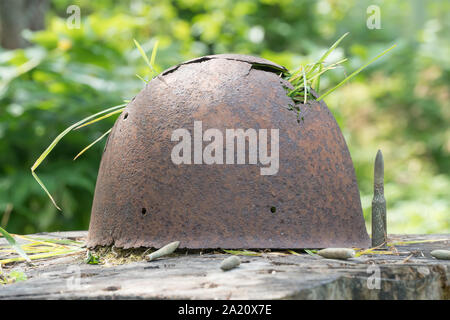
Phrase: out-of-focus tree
x=18 y=15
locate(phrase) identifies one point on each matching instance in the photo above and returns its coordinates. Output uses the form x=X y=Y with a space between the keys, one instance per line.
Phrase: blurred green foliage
x=400 y=104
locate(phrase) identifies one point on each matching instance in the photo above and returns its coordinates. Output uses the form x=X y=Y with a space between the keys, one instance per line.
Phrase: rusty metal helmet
x=144 y=198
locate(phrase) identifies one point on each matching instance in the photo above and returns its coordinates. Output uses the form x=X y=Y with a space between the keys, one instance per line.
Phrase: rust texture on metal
x=143 y=199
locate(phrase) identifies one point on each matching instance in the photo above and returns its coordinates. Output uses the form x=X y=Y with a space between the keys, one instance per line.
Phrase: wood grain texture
x=198 y=276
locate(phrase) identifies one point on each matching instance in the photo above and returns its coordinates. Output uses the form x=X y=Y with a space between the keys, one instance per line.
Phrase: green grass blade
x=400 y=243
x=143 y=54
x=100 y=118
x=305 y=90
x=97 y=140
x=355 y=73
x=45 y=189
x=242 y=252
x=142 y=79
x=313 y=78
x=51 y=241
x=323 y=69
x=296 y=76
x=317 y=84
x=294 y=253
x=62 y=134
x=295 y=90
x=14 y=244
x=311 y=252
x=43 y=255
x=154 y=50
x=327 y=53
x=55 y=142
x=151 y=62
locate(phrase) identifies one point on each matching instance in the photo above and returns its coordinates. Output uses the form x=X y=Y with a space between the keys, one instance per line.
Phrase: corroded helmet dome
x=172 y=169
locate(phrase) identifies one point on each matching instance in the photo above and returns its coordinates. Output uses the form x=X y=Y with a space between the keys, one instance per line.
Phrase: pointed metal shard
x=379 y=225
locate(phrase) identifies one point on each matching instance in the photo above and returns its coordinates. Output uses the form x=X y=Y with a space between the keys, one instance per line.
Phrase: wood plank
x=270 y=276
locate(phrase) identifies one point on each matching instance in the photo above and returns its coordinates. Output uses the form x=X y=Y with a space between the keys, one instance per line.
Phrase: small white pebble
x=441 y=254
x=337 y=253
x=230 y=263
x=166 y=250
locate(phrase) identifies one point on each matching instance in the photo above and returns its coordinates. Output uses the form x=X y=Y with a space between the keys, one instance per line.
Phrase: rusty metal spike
x=379 y=226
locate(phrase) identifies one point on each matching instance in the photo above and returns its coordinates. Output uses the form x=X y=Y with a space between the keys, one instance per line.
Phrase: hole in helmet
x=273 y=209
x=125 y=115
x=143 y=211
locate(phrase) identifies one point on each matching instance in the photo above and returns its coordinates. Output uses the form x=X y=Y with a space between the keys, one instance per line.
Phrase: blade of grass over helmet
x=14 y=244
x=100 y=118
x=323 y=69
x=327 y=53
x=142 y=79
x=355 y=72
x=150 y=62
x=317 y=80
x=97 y=140
x=307 y=76
x=301 y=76
x=45 y=189
x=305 y=92
x=143 y=54
x=152 y=59
x=55 y=142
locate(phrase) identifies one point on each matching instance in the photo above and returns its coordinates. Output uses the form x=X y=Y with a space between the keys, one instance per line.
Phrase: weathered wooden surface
x=271 y=276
